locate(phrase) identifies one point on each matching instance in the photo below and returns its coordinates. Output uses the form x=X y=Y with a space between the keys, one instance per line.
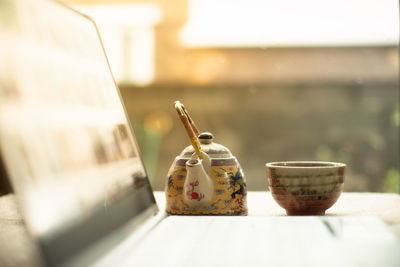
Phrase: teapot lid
x=213 y=150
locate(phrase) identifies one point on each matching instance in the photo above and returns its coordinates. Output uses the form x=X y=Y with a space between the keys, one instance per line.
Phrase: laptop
x=73 y=161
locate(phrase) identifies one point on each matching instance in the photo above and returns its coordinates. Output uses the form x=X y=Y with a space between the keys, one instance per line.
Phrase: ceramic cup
x=305 y=187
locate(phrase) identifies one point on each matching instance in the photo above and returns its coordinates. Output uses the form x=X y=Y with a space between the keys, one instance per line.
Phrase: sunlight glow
x=252 y=23
x=128 y=36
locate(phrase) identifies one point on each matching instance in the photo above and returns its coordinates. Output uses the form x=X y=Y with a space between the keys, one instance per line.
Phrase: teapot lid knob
x=206 y=138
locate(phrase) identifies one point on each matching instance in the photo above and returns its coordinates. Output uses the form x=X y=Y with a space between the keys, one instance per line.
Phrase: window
x=272 y=80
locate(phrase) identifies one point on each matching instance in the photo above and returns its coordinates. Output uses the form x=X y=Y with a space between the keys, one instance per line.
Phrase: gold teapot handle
x=190 y=127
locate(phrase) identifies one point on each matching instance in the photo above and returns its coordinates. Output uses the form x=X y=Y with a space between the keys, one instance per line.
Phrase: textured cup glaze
x=305 y=187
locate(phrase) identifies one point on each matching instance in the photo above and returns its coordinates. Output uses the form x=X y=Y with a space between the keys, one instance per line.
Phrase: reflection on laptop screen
x=64 y=136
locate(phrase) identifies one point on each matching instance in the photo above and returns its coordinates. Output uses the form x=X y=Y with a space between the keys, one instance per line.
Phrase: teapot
x=205 y=179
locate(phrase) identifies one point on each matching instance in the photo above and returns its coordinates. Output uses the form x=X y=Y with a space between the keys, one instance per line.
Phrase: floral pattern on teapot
x=229 y=186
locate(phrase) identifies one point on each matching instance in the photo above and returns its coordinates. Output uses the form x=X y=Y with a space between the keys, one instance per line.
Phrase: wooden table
x=16 y=251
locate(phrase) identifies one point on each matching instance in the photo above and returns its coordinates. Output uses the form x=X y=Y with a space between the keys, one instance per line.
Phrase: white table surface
x=385 y=206
x=14 y=239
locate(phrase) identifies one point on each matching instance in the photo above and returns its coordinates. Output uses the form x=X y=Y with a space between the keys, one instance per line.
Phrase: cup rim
x=304 y=164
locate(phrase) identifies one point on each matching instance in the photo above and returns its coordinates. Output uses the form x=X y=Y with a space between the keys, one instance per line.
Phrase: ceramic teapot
x=213 y=185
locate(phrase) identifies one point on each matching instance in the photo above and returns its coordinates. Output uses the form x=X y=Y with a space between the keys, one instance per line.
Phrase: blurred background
x=272 y=80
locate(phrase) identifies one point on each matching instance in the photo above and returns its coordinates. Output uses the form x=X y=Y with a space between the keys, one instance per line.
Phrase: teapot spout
x=205 y=162
x=198 y=186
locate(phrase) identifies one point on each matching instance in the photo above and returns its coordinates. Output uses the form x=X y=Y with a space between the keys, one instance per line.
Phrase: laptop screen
x=64 y=136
